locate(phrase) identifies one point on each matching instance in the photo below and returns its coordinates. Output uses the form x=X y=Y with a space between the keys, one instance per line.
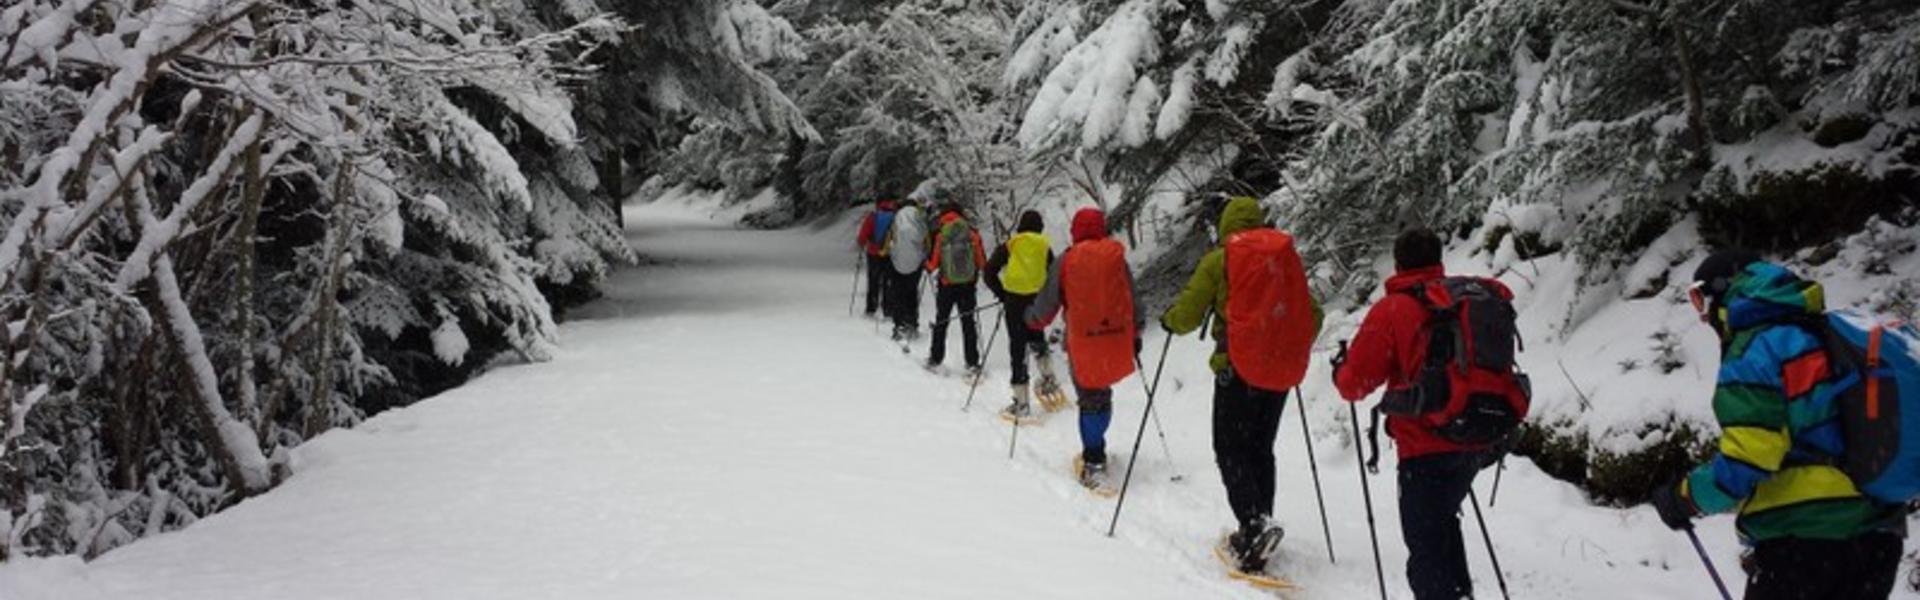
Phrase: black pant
x=947 y=298
x=1245 y=421
x=878 y=270
x=905 y=306
x=1862 y=568
x=1431 y=488
x=1021 y=340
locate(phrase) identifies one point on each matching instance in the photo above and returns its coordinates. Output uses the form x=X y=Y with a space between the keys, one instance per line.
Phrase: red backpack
x=1099 y=302
x=1269 y=312
x=1468 y=390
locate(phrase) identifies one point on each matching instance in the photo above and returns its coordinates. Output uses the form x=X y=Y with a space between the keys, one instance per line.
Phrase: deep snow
x=718 y=427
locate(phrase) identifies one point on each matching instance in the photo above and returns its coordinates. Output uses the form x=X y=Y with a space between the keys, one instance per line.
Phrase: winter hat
x=1030 y=222
x=1089 y=224
x=1718 y=269
x=1416 y=248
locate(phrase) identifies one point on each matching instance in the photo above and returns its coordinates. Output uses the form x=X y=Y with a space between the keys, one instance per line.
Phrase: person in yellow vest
x=1015 y=274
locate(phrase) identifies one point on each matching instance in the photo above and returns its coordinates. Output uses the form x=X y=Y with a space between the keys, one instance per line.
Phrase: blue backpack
x=1880 y=409
x=881 y=221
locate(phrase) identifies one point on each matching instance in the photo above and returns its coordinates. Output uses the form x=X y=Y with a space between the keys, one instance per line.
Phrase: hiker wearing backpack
x=1444 y=347
x=1094 y=286
x=1015 y=275
x=873 y=240
x=1796 y=427
x=906 y=249
x=955 y=265
x=1255 y=283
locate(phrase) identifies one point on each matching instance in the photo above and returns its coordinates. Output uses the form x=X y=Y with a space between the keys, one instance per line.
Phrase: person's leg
x=943 y=302
x=1862 y=568
x=1431 y=488
x=912 y=288
x=1234 y=443
x=1876 y=565
x=1271 y=406
x=967 y=301
x=876 y=282
x=1096 y=413
x=1018 y=337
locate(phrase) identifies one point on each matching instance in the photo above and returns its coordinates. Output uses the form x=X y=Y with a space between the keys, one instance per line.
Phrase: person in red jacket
x=1434 y=474
x=873 y=240
x=956 y=278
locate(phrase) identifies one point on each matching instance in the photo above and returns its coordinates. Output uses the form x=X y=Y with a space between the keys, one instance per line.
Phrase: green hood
x=1242 y=213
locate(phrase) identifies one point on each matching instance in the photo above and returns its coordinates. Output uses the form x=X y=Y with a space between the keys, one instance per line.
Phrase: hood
x=1765 y=292
x=1030 y=222
x=1242 y=213
x=1089 y=224
x=886 y=205
x=949 y=217
x=1412 y=278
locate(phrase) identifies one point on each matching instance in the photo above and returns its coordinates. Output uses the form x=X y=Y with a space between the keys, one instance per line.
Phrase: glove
x=1137 y=346
x=1675 y=510
x=1339 y=358
x=1166 y=328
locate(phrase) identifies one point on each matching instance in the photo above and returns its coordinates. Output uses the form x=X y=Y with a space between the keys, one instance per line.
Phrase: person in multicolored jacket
x=1812 y=533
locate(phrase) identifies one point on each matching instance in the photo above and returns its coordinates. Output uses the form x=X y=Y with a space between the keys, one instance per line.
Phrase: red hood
x=949 y=217
x=1089 y=224
x=1412 y=278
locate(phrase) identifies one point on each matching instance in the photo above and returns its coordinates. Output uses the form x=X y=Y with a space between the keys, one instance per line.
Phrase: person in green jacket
x=1245 y=418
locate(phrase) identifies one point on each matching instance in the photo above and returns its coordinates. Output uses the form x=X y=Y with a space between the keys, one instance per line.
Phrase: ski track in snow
x=719 y=428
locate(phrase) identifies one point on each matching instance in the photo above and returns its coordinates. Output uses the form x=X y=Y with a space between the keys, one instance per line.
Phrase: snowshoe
x=1223 y=550
x=1094 y=477
x=1052 y=397
x=1253 y=547
x=1019 y=413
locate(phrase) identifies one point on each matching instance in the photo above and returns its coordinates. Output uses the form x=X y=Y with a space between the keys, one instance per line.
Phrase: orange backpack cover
x=1269 y=310
x=1099 y=303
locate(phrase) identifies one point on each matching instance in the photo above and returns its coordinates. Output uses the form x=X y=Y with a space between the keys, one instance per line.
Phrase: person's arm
x=992 y=273
x=865 y=238
x=933 y=256
x=1048 y=303
x=1750 y=402
x=1190 y=309
x=1371 y=355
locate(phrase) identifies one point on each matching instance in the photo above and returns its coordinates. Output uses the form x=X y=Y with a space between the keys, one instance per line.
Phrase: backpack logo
x=1468 y=389
x=1880 y=405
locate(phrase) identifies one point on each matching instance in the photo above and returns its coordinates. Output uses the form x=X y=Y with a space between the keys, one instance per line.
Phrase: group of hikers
x=1822 y=494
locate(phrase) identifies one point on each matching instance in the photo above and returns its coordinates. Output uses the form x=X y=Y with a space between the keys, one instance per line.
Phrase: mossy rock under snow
x=1613 y=478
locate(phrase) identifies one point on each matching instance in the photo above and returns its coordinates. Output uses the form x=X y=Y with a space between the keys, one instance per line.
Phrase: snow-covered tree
x=230 y=225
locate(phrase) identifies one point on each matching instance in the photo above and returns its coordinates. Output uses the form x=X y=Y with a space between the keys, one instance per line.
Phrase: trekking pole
x=1474 y=497
x=1137 y=436
x=956 y=315
x=1307 y=436
x=1366 y=493
x=1497 y=472
x=983 y=361
x=859 y=260
x=1164 y=448
x=1702 y=550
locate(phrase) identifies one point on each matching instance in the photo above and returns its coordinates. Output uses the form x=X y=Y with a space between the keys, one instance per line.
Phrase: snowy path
x=718 y=428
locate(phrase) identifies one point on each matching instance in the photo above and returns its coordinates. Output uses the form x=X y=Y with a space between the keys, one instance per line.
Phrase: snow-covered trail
x=717 y=427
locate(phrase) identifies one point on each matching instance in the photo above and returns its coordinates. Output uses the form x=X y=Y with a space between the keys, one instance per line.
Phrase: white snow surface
x=718 y=427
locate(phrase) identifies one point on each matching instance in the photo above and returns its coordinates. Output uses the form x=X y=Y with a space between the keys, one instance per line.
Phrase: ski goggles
x=1697 y=295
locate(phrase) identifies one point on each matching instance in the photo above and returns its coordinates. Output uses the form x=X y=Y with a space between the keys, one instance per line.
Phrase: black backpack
x=1468 y=389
